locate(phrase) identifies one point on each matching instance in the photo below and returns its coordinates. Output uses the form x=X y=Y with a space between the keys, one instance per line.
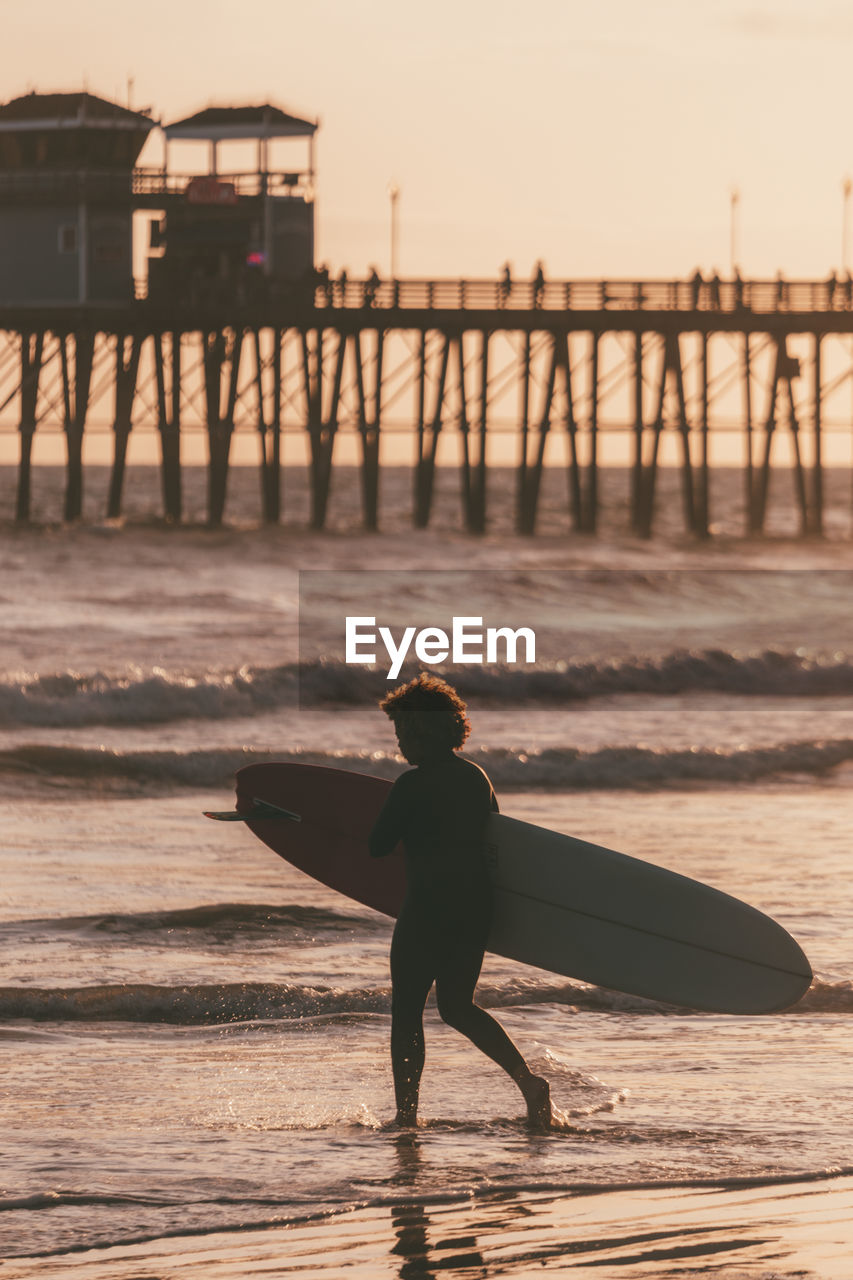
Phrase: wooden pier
x=561 y=365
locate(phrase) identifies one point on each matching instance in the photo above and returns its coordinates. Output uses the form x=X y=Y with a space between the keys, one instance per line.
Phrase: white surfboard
x=591 y=913
x=562 y=904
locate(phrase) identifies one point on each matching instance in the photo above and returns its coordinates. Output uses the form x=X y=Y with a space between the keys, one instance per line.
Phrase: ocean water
x=195 y=1035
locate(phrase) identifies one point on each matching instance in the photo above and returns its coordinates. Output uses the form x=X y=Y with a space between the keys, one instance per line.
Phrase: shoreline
x=750 y=1227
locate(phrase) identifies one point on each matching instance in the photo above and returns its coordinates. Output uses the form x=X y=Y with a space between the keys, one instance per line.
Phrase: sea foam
x=160 y=696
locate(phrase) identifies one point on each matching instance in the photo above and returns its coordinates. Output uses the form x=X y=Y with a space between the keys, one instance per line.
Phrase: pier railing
x=730 y=297
x=755 y=296
x=153 y=182
x=143 y=187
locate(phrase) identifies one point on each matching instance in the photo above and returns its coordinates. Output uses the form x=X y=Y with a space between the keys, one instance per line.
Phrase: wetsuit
x=439 y=811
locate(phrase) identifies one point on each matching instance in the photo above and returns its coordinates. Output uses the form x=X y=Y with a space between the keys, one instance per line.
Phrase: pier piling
x=464 y=360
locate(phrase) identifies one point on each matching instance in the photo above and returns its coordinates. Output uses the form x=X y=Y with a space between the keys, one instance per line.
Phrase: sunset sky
x=605 y=138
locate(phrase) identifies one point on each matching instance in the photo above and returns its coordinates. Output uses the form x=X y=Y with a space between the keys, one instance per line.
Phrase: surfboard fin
x=262 y=809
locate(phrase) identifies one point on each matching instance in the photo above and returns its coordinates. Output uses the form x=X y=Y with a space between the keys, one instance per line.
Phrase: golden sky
x=602 y=136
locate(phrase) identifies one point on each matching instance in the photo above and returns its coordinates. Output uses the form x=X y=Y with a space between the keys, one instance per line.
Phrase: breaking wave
x=221 y=921
x=158 y=696
x=557 y=768
x=215 y=1004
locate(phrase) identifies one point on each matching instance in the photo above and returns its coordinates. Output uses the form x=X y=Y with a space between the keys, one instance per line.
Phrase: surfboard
x=561 y=904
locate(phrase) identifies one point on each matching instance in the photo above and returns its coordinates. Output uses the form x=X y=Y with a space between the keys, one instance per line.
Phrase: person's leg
x=411 y=979
x=456 y=980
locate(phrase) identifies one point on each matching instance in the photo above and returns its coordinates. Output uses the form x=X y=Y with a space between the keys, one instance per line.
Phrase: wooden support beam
x=322 y=428
x=369 y=420
x=321 y=447
x=473 y=432
x=483 y=429
x=703 y=515
x=428 y=444
x=169 y=421
x=671 y=371
x=420 y=425
x=576 y=485
x=785 y=367
x=77 y=352
x=261 y=420
x=274 y=476
x=269 y=426
x=637 y=463
x=816 y=522
x=534 y=466
x=127 y=353
x=800 y=480
x=589 y=512
x=521 y=493
x=762 y=479
x=222 y=349
x=687 y=484
x=752 y=524
x=650 y=455
x=32 y=350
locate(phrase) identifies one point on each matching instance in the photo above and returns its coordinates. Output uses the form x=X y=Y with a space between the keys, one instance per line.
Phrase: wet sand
x=775 y=1231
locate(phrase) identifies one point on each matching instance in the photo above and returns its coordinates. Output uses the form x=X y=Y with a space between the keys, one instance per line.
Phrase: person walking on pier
x=439 y=809
x=696 y=287
x=370 y=286
x=506 y=284
x=538 y=284
x=781 y=292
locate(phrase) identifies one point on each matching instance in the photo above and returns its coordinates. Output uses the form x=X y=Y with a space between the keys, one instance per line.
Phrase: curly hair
x=430 y=707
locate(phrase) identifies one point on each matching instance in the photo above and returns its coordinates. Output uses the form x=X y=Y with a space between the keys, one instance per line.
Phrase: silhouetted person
x=370 y=287
x=696 y=283
x=440 y=810
x=506 y=283
x=781 y=292
x=538 y=284
x=343 y=281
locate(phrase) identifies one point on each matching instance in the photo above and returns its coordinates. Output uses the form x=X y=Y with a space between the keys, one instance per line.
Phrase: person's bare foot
x=403 y=1120
x=537 y=1095
x=561 y=1121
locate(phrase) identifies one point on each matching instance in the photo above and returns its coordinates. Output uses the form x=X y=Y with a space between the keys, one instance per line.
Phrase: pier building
x=66 y=199
x=224 y=235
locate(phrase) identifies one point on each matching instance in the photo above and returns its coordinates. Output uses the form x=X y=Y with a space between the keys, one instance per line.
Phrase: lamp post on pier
x=846 y=188
x=394 y=194
x=733 y=246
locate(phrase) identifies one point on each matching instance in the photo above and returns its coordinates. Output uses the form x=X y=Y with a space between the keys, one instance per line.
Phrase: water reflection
x=420 y=1257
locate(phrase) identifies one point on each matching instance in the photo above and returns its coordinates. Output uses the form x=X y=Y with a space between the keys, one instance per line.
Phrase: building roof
x=67 y=110
x=215 y=124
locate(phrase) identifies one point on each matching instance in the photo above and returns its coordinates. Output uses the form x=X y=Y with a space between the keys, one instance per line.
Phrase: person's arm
x=389 y=826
